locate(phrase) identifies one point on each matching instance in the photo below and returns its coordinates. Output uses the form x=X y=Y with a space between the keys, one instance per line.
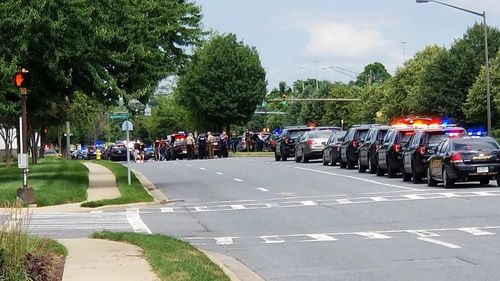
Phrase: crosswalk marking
x=343 y=201
x=308 y=203
x=440 y=243
x=167 y=210
x=224 y=240
x=379 y=199
x=476 y=231
x=413 y=196
x=373 y=235
x=321 y=237
x=272 y=239
x=238 y=207
x=423 y=233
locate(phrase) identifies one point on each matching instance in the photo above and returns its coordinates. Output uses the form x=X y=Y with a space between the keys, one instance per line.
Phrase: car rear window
x=320 y=134
x=475 y=145
x=361 y=134
x=436 y=137
x=296 y=134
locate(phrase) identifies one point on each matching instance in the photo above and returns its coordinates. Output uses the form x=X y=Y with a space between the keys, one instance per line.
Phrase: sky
x=334 y=39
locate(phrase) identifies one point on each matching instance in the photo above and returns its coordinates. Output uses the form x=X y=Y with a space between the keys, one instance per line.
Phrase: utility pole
x=68 y=150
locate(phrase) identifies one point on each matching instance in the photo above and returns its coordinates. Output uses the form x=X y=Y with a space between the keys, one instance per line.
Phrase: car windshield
x=475 y=145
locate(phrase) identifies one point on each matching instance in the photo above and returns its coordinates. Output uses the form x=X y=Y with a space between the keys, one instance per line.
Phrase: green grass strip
x=170 y=258
x=133 y=193
x=55 y=181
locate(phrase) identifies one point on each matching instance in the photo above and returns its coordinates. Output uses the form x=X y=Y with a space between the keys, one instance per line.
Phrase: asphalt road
x=292 y=221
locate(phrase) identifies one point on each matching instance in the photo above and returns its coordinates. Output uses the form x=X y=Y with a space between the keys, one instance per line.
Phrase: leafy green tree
x=475 y=107
x=447 y=80
x=167 y=117
x=223 y=83
x=373 y=73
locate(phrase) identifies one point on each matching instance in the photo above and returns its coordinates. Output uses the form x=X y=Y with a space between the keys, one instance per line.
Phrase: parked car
x=368 y=150
x=179 y=146
x=389 y=155
x=285 y=144
x=91 y=153
x=149 y=153
x=310 y=145
x=119 y=153
x=52 y=153
x=271 y=142
x=349 y=148
x=331 y=151
x=78 y=155
x=464 y=159
x=421 y=146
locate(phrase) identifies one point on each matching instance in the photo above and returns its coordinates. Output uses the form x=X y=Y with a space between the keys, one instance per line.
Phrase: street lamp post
x=487 y=66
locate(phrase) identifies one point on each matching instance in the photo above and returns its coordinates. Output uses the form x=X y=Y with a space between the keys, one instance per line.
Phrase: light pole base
x=26 y=194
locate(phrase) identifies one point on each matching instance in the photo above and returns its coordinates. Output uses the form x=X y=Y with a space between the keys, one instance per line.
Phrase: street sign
x=127 y=126
x=22 y=161
x=120 y=115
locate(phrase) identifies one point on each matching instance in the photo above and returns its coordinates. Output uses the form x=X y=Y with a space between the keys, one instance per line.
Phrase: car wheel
x=343 y=164
x=430 y=180
x=406 y=177
x=484 y=182
x=372 y=167
x=350 y=165
x=325 y=162
x=283 y=157
x=276 y=156
x=390 y=171
x=447 y=182
x=304 y=159
x=416 y=177
x=379 y=172
x=297 y=159
x=498 y=182
x=332 y=162
x=361 y=168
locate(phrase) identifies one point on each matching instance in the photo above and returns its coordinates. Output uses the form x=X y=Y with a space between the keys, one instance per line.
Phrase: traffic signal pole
x=24 y=116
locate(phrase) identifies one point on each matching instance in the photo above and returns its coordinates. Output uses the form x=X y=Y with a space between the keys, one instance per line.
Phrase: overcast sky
x=299 y=39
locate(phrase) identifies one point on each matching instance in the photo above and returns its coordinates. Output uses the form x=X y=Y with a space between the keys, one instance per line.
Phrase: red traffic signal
x=22 y=79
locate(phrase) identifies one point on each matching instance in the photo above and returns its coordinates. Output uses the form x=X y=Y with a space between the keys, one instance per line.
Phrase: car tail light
x=310 y=142
x=396 y=147
x=286 y=140
x=377 y=146
x=354 y=143
x=422 y=150
x=456 y=158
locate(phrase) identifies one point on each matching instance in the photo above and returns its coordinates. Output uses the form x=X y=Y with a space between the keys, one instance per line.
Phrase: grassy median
x=170 y=258
x=133 y=193
x=55 y=181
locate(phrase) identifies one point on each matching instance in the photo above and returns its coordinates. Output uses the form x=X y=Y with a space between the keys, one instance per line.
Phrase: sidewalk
x=103 y=260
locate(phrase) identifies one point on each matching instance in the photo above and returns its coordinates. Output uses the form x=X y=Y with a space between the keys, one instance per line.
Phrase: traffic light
x=283 y=97
x=22 y=79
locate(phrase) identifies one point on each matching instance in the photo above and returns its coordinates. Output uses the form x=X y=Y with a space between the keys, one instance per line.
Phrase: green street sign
x=121 y=115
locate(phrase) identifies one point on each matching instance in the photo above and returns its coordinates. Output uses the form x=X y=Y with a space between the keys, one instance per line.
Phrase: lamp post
x=487 y=67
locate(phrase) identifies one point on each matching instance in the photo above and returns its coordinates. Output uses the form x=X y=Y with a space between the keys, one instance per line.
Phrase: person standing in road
x=210 y=143
x=223 y=144
x=202 y=146
x=142 y=151
x=234 y=141
x=163 y=149
x=190 y=146
x=248 y=140
x=156 y=149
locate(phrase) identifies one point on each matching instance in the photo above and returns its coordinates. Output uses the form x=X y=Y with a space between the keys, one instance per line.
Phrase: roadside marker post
x=127 y=126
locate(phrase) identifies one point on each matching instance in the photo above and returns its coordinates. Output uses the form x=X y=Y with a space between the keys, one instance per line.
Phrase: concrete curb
x=157 y=195
x=233 y=268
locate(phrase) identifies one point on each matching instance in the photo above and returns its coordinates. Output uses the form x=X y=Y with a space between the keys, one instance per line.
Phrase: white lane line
x=379 y=199
x=134 y=219
x=320 y=237
x=476 y=231
x=343 y=201
x=167 y=210
x=201 y=209
x=423 y=233
x=203 y=169
x=272 y=239
x=356 y=178
x=450 y=195
x=263 y=189
x=224 y=240
x=413 y=197
x=188 y=165
x=219 y=173
x=96 y=212
x=237 y=207
x=308 y=203
x=484 y=193
x=373 y=235
x=440 y=243
x=237 y=179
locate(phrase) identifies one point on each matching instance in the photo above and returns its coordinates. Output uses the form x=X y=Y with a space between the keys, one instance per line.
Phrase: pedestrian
x=190 y=143
x=248 y=140
x=260 y=141
x=142 y=151
x=234 y=141
x=156 y=149
x=137 y=157
x=163 y=149
x=202 y=146
x=223 y=145
x=210 y=144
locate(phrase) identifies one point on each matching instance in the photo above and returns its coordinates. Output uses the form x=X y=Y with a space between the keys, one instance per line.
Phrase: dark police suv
x=368 y=150
x=349 y=147
x=389 y=155
x=285 y=144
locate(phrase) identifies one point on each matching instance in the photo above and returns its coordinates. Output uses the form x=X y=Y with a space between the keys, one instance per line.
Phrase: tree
x=373 y=73
x=448 y=78
x=475 y=107
x=166 y=118
x=104 y=49
x=222 y=84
